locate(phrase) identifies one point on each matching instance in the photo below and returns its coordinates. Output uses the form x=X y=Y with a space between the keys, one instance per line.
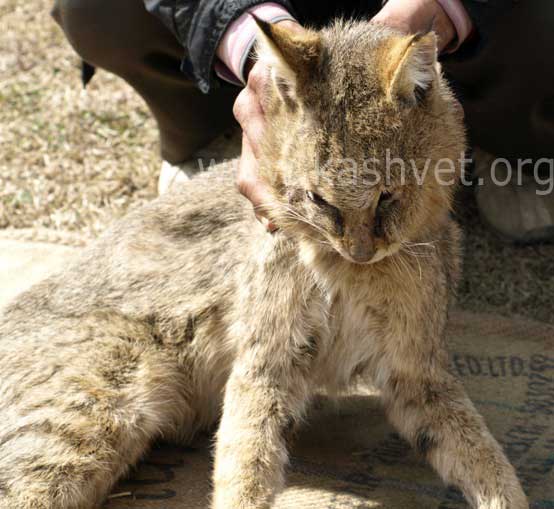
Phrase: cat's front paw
x=243 y=491
x=228 y=500
x=515 y=500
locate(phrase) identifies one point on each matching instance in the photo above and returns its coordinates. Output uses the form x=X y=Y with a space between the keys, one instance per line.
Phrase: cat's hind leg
x=69 y=430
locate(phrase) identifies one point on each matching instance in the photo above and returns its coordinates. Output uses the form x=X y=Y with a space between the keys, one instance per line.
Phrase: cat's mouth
x=384 y=252
x=380 y=254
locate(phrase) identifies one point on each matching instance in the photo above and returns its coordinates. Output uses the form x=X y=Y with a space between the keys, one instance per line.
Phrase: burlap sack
x=25 y=263
x=347 y=456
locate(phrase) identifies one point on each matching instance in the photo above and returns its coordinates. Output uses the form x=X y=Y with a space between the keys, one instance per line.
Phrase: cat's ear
x=293 y=56
x=412 y=68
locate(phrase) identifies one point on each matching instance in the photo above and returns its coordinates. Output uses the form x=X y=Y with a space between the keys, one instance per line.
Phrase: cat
x=187 y=311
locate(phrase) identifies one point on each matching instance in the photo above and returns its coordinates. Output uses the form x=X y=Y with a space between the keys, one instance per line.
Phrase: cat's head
x=363 y=139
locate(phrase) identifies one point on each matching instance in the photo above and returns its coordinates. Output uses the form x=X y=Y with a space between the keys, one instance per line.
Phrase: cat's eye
x=315 y=198
x=386 y=197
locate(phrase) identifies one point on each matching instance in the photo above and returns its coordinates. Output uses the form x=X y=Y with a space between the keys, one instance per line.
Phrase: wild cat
x=187 y=310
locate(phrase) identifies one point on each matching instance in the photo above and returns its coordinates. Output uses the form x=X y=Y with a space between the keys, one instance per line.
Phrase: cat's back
x=179 y=251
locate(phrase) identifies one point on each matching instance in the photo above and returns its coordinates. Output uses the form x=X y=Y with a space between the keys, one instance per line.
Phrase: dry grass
x=500 y=277
x=75 y=160
x=70 y=159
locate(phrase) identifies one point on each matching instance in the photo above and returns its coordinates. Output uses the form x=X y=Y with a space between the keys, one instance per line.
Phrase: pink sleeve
x=460 y=19
x=237 y=42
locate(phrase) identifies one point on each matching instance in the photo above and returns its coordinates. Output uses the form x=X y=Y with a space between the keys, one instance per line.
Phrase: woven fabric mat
x=347 y=456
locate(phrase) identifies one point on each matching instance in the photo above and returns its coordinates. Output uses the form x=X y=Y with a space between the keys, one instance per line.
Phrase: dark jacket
x=200 y=24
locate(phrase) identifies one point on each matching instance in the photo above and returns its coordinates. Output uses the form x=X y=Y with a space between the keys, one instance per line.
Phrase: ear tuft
x=264 y=26
x=412 y=68
x=293 y=55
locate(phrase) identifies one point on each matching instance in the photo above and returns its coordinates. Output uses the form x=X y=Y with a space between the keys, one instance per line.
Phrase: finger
x=257 y=78
x=249 y=114
x=249 y=182
x=268 y=225
x=251 y=186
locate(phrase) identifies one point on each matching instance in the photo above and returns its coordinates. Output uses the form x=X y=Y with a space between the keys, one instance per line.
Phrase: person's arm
x=236 y=46
x=200 y=25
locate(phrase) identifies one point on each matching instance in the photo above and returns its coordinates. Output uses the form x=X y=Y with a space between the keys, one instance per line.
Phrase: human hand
x=249 y=112
x=413 y=16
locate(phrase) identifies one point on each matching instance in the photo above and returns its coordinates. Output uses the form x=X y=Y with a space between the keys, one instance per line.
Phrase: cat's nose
x=361 y=250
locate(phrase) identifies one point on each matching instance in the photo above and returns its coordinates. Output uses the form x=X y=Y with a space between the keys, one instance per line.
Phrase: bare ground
x=74 y=160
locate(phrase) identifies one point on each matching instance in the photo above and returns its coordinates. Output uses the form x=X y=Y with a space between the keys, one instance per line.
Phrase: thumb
x=250 y=185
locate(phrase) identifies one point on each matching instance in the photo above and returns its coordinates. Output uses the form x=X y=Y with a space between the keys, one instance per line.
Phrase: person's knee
x=92 y=31
x=56 y=12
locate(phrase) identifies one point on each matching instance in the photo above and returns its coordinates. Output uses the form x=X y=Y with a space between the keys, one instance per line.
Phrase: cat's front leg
x=431 y=409
x=269 y=383
x=259 y=407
